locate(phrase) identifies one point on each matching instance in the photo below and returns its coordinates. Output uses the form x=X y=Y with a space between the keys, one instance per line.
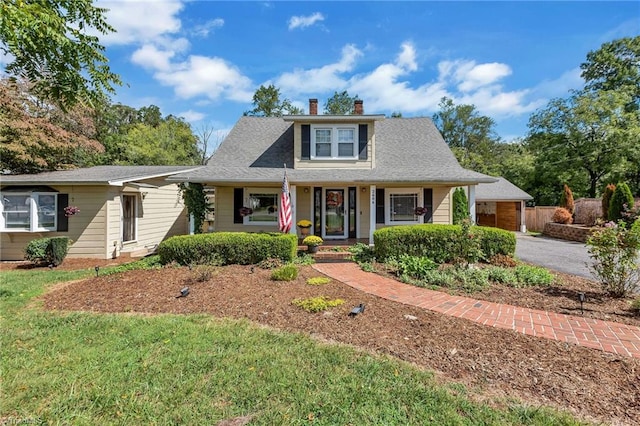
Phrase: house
x=348 y=174
x=501 y=204
x=123 y=210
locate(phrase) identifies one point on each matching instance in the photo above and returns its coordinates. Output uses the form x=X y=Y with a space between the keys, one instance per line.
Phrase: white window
x=334 y=142
x=401 y=206
x=263 y=206
x=30 y=212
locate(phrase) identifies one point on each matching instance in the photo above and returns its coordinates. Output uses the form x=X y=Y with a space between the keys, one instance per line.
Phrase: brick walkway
x=604 y=335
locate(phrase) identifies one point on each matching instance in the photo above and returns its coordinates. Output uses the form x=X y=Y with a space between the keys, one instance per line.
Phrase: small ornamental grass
x=318 y=281
x=317 y=304
x=285 y=273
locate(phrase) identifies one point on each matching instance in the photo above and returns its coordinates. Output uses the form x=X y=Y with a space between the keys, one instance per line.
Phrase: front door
x=334 y=218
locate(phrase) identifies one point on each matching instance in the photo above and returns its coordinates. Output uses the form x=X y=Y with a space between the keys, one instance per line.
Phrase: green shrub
x=228 y=248
x=460 y=206
x=470 y=279
x=270 y=263
x=621 y=196
x=414 y=266
x=502 y=275
x=441 y=243
x=606 y=200
x=318 y=281
x=361 y=252
x=533 y=275
x=303 y=258
x=317 y=304
x=50 y=251
x=285 y=273
x=36 y=250
x=468 y=247
x=614 y=250
x=439 y=278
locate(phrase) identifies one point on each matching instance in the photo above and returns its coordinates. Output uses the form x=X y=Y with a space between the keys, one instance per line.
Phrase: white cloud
x=471 y=76
x=326 y=78
x=204 y=29
x=150 y=57
x=209 y=77
x=304 y=21
x=191 y=116
x=139 y=21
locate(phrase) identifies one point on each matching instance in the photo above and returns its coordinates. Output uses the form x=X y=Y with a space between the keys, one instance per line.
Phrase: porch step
x=324 y=255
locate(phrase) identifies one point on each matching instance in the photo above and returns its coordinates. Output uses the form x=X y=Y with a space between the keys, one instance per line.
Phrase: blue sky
x=203 y=60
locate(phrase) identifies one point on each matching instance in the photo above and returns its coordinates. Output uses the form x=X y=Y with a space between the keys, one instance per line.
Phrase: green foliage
x=340 y=104
x=414 y=266
x=606 y=200
x=50 y=250
x=171 y=142
x=53 y=44
x=57 y=250
x=621 y=196
x=361 y=252
x=441 y=243
x=312 y=240
x=317 y=304
x=470 y=279
x=529 y=275
x=460 y=206
x=285 y=273
x=196 y=201
x=440 y=278
x=228 y=248
x=502 y=275
x=303 y=258
x=318 y=280
x=468 y=247
x=614 y=250
x=566 y=199
x=267 y=103
x=367 y=266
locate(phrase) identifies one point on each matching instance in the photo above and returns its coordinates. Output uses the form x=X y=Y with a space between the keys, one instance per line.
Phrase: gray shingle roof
x=408 y=150
x=502 y=190
x=100 y=175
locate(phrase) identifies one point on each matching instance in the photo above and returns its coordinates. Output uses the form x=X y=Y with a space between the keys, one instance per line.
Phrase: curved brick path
x=604 y=335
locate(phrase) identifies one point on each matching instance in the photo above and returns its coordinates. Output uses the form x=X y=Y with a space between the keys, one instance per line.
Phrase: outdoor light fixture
x=97 y=268
x=581 y=298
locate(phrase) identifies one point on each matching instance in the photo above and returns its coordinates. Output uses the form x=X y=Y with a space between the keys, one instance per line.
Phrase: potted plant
x=312 y=242
x=420 y=211
x=304 y=226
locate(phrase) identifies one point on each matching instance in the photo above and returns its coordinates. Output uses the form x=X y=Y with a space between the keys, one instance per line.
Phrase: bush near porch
x=227 y=248
x=439 y=242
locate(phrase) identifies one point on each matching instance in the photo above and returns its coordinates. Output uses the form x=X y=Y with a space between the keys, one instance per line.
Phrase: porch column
x=471 y=189
x=293 y=193
x=523 y=216
x=372 y=212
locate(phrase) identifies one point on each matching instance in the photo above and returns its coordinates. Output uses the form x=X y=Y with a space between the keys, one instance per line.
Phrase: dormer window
x=334 y=142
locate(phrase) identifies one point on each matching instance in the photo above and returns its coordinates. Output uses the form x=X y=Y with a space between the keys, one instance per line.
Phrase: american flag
x=285 y=214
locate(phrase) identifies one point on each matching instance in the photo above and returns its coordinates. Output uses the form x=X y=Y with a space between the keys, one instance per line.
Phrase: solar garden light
x=581 y=298
x=97 y=268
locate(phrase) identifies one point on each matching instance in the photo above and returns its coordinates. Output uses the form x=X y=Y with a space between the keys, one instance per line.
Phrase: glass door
x=335 y=219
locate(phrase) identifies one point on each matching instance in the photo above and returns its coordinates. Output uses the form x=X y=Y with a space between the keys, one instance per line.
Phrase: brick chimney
x=313 y=107
x=358 y=109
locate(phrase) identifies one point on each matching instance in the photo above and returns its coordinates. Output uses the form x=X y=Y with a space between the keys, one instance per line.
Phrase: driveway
x=565 y=256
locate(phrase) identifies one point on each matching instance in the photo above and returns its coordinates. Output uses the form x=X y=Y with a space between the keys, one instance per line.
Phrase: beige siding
x=332 y=164
x=86 y=229
x=442 y=208
x=303 y=207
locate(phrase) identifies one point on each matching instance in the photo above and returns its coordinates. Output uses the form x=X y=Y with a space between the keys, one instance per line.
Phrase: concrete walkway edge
x=607 y=336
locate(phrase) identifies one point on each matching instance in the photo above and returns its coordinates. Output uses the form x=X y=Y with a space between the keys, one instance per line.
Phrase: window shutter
x=238 y=195
x=362 y=141
x=306 y=141
x=379 y=205
x=63 y=221
x=428 y=203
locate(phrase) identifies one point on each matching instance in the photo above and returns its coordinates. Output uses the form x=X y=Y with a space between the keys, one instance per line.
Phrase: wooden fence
x=536 y=217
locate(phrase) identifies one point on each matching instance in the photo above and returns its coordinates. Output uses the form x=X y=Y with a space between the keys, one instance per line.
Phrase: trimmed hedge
x=438 y=242
x=50 y=250
x=228 y=248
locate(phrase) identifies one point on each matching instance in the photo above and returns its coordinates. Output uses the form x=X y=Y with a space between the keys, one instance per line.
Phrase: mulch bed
x=591 y=384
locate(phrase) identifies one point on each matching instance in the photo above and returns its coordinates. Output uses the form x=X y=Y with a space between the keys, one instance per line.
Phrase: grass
x=86 y=368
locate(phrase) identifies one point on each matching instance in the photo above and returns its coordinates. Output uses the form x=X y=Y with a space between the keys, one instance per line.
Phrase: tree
x=606 y=200
x=340 y=104
x=206 y=146
x=471 y=136
x=584 y=138
x=621 y=200
x=460 y=206
x=37 y=137
x=267 y=103
x=615 y=66
x=170 y=143
x=566 y=199
x=52 y=47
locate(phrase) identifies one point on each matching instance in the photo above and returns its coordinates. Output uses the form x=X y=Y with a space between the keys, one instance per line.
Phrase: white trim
x=372 y=212
x=120 y=182
x=345 y=212
x=334 y=128
x=293 y=196
x=387 y=204
x=135 y=217
x=471 y=201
